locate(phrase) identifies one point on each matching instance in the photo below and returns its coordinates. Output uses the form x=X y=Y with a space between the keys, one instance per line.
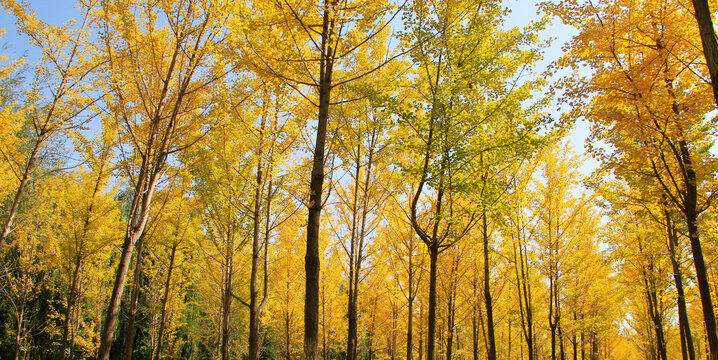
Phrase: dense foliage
x=200 y=179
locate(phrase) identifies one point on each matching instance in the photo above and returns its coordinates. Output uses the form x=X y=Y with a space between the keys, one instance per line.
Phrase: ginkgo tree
x=466 y=103
x=184 y=137
x=58 y=99
x=157 y=103
x=643 y=98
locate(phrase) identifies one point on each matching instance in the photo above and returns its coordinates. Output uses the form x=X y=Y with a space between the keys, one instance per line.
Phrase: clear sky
x=522 y=12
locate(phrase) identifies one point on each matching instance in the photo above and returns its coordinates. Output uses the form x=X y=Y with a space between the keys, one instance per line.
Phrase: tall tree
x=154 y=102
x=324 y=39
x=463 y=107
x=58 y=99
x=702 y=13
x=648 y=108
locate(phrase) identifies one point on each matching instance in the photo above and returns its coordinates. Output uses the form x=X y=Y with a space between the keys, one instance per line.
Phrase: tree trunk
x=254 y=341
x=710 y=46
x=140 y=212
x=29 y=167
x=431 y=328
x=421 y=331
x=491 y=355
x=691 y=216
x=227 y=296
x=134 y=301
x=687 y=349
x=450 y=327
x=410 y=307
x=20 y=318
x=165 y=300
x=311 y=259
x=71 y=300
x=352 y=298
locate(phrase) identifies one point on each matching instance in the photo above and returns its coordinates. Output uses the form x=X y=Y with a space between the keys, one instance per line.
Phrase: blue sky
x=522 y=12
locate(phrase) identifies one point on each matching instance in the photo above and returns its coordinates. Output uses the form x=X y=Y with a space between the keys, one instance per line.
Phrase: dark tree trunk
x=691 y=217
x=687 y=349
x=487 y=292
x=227 y=296
x=710 y=47
x=254 y=341
x=352 y=298
x=316 y=190
x=431 y=328
x=450 y=326
x=560 y=342
x=409 y=329
x=475 y=334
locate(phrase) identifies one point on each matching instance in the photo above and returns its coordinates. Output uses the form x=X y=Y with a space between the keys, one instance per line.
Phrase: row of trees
x=158 y=159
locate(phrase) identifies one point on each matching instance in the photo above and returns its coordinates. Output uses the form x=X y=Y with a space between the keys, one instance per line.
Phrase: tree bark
x=165 y=300
x=491 y=355
x=311 y=259
x=29 y=167
x=227 y=296
x=353 y=249
x=134 y=301
x=71 y=300
x=431 y=324
x=410 y=307
x=254 y=341
x=691 y=217
x=687 y=349
x=710 y=45
x=450 y=323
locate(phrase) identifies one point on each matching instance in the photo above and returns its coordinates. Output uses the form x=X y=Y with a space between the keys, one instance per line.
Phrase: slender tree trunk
x=227 y=296
x=352 y=298
x=594 y=347
x=710 y=45
x=421 y=331
x=20 y=319
x=525 y=302
x=311 y=259
x=134 y=301
x=71 y=300
x=475 y=334
x=487 y=292
x=287 y=344
x=29 y=167
x=450 y=327
x=431 y=331
x=325 y=329
x=574 y=338
x=657 y=322
x=394 y=320
x=74 y=295
x=287 y=322
x=687 y=349
x=165 y=300
x=76 y=323
x=552 y=323
x=254 y=342
x=560 y=342
x=410 y=307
